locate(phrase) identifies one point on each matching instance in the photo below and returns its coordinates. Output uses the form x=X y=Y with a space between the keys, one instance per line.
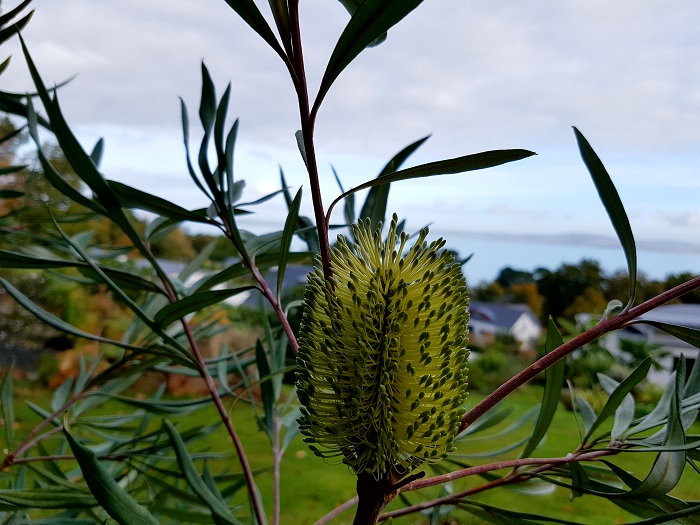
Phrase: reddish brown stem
x=307 y=131
x=614 y=323
x=225 y=418
x=545 y=463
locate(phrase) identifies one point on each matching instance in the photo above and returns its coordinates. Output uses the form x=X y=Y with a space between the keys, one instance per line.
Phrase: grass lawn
x=311 y=487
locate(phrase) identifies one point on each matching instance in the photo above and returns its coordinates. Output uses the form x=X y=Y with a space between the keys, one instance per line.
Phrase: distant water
x=491 y=255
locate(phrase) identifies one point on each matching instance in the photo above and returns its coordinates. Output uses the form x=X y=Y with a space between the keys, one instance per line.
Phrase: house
x=487 y=320
x=668 y=349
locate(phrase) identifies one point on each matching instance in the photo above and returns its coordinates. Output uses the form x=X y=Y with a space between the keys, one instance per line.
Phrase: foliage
x=144 y=466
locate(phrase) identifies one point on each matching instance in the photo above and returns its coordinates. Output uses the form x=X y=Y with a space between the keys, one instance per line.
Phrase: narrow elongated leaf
x=76 y=156
x=689 y=335
x=660 y=411
x=286 y=242
x=613 y=206
x=349 y=207
x=476 y=161
x=10 y=194
x=7 y=17
x=14 y=500
x=492 y=418
x=266 y=387
x=186 y=139
x=554 y=379
x=375 y=204
x=97 y=152
x=624 y=413
x=305 y=228
x=637 y=375
x=251 y=15
x=219 y=125
x=128 y=280
x=57 y=323
x=220 y=511
x=108 y=493
x=196 y=302
x=8 y=170
x=133 y=198
x=280 y=11
x=51 y=174
x=668 y=466
x=262 y=261
x=371 y=20
x=9 y=32
x=8 y=410
x=4 y=65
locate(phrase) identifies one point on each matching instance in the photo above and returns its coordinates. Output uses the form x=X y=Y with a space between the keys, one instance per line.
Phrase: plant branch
x=337 y=511
x=226 y=419
x=276 y=461
x=33 y=437
x=272 y=299
x=515 y=476
x=614 y=323
x=307 y=132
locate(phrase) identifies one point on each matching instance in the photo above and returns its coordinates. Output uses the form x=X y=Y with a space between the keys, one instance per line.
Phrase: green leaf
x=7 y=17
x=97 y=152
x=613 y=206
x=266 y=388
x=57 y=323
x=375 y=204
x=668 y=466
x=251 y=15
x=14 y=500
x=140 y=200
x=286 y=242
x=186 y=139
x=349 y=207
x=8 y=412
x=624 y=413
x=280 y=11
x=9 y=32
x=476 y=161
x=81 y=162
x=264 y=260
x=660 y=412
x=490 y=419
x=220 y=512
x=128 y=280
x=370 y=21
x=51 y=174
x=637 y=375
x=195 y=302
x=554 y=378
x=689 y=335
x=108 y=493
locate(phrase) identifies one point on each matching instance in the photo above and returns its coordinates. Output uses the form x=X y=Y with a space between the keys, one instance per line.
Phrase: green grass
x=311 y=487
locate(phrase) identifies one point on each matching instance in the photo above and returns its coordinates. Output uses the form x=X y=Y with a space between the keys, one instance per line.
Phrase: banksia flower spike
x=382 y=363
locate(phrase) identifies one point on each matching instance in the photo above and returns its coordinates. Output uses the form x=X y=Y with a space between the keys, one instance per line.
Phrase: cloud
x=478 y=75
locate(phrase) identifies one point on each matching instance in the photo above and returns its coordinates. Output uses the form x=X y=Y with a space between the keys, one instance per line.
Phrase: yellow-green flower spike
x=382 y=363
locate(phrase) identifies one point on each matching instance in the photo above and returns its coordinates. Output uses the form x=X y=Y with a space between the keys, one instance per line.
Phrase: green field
x=311 y=487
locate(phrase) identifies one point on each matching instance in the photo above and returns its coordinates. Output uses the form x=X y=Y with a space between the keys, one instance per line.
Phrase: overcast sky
x=475 y=75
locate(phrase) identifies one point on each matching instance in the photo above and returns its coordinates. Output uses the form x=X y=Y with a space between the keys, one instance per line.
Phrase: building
x=667 y=349
x=487 y=320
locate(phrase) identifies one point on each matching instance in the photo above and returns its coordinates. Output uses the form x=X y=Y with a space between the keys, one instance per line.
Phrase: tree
x=562 y=286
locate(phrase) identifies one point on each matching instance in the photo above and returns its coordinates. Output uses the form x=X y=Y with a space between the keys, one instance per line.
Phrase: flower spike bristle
x=382 y=363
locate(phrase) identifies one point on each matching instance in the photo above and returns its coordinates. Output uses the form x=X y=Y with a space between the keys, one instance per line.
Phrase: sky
x=473 y=75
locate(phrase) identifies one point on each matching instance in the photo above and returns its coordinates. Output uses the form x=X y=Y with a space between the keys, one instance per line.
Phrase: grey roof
x=505 y=315
x=677 y=314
